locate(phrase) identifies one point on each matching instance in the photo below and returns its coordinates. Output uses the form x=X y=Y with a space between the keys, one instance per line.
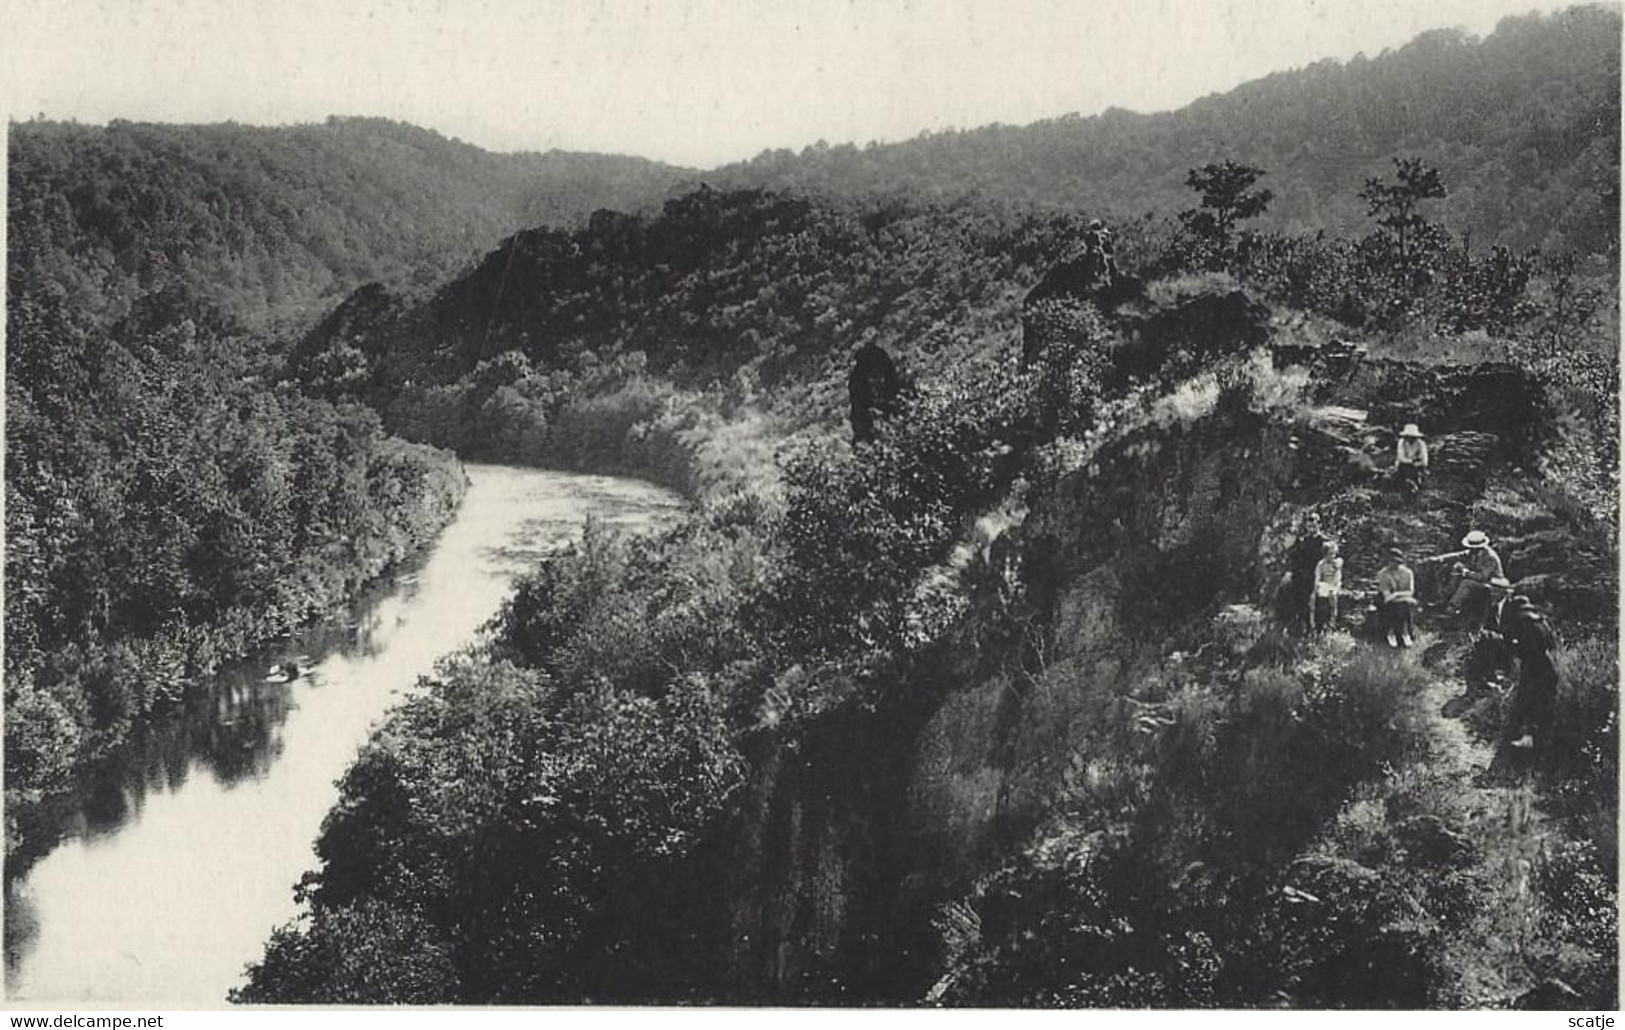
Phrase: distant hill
x=281 y=221
x=1524 y=126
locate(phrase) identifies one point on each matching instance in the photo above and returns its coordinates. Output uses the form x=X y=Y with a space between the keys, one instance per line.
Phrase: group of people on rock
x=1482 y=602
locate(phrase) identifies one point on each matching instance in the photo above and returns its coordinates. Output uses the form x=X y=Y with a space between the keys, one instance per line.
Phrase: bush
x=1585 y=734
x=1578 y=884
x=533 y=829
x=1341 y=935
x=366 y=954
x=860 y=526
x=1372 y=713
x=1272 y=758
x=1075 y=921
x=1583 y=759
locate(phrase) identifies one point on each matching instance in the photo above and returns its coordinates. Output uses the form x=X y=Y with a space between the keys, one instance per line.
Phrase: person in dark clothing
x=875 y=388
x=1525 y=626
x=1496 y=608
x=1295 y=592
x=1534 y=704
x=1100 y=257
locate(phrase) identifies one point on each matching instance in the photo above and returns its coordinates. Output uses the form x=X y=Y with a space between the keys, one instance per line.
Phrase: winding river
x=178 y=857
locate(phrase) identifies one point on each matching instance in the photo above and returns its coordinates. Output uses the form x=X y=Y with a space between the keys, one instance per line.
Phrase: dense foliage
x=1175 y=859
x=1524 y=124
x=636 y=344
x=703 y=765
x=167 y=510
x=496 y=817
x=266 y=222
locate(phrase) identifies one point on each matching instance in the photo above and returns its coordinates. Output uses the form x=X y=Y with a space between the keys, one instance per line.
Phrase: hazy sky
x=691 y=81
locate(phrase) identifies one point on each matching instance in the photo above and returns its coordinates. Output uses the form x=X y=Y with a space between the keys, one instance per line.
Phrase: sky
x=693 y=82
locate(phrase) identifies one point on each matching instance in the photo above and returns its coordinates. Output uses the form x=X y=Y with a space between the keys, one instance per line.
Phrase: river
x=179 y=855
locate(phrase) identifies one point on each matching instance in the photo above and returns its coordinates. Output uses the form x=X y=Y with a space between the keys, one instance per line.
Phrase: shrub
x=1338 y=934
x=1578 y=885
x=1288 y=747
x=860 y=526
x=532 y=829
x=366 y=954
x=1372 y=712
x=1075 y=921
x=1583 y=759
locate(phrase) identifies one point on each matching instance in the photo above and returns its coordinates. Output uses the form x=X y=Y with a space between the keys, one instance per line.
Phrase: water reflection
x=231 y=730
x=179 y=852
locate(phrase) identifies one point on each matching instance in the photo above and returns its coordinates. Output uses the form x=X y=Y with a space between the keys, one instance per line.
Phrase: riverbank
x=195 y=830
x=620 y=420
x=77 y=703
x=816 y=751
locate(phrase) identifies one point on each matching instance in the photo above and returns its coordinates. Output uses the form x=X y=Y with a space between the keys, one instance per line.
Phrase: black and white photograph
x=604 y=505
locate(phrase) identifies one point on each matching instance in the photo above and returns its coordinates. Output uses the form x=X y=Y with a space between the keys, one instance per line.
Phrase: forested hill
x=262 y=222
x=1523 y=124
x=1002 y=705
x=271 y=222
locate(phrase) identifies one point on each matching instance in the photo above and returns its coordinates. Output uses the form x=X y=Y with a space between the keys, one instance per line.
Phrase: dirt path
x=1494 y=803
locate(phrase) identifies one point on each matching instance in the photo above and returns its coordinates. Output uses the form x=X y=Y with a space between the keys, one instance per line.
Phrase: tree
x=1394 y=206
x=1571 y=303
x=1227 y=198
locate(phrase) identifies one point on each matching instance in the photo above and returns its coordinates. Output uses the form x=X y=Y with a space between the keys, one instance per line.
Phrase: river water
x=180 y=854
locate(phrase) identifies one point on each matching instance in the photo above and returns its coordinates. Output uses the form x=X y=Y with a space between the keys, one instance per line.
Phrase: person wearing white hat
x=1411 y=456
x=1478 y=565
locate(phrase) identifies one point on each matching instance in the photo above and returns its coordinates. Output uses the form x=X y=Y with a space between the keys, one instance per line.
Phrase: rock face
x=1121 y=561
x=818 y=906
x=1194 y=329
x=856 y=837
x=1505 y=406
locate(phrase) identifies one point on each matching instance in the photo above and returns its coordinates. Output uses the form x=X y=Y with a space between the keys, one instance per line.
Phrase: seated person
x=1328 y=584
x=1477 y=566
x=1411 y=456
x=1396 y=600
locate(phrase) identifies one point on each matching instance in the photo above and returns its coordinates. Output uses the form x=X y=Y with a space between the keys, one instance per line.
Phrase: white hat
x=1411 y=430
x=1477 y=538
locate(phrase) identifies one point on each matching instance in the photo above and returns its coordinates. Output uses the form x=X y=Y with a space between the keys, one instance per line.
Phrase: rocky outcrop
x=1171 y=538
x=1168 y=336
x=1191 y=329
